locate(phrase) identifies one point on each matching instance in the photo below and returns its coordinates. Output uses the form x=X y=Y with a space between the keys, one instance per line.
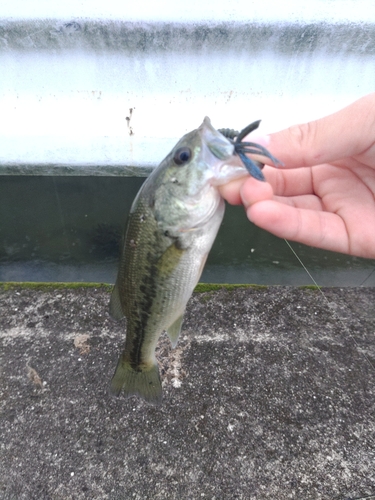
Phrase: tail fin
x=145 y=384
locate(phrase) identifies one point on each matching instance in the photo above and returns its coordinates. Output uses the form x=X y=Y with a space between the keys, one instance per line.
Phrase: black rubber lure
x=241 y=148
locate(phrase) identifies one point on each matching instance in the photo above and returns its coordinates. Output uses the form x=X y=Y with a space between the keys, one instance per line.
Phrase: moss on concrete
x=31 y=285
x=200 y=288
x=213 y=287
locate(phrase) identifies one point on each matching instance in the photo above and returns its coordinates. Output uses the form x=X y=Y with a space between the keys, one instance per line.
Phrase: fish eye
x=182 y=155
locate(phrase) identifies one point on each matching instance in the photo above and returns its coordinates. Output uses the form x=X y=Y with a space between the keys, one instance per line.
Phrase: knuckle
x=303 y=134
x=303 y=138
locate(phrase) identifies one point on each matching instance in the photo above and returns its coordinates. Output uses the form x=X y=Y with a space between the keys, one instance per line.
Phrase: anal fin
x=174 y=330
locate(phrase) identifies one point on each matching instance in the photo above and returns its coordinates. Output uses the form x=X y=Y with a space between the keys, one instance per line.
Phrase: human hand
x=328 y=203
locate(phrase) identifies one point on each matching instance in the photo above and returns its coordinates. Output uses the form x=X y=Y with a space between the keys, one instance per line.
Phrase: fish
x=172 y=225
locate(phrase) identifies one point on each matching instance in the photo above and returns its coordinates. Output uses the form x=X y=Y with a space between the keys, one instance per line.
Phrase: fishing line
x=369 y=276
x=305 y=268
x=330 y=304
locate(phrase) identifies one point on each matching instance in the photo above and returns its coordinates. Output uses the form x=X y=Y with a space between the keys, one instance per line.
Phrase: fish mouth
x=219 y=153
x=229 y=171
x=222 y=150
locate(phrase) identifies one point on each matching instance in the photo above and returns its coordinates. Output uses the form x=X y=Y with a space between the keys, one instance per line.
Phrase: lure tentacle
x=247 y=130
x=240 y=148
x=253 y=168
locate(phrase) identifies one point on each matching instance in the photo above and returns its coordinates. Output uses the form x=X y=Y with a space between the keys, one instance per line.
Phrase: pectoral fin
x=174 y=330
x=170 y=259
x=115 y=308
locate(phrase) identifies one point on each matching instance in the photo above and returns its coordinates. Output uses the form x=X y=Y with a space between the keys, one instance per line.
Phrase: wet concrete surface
x=270 y=394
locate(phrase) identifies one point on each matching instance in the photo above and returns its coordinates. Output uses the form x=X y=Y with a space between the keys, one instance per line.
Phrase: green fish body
x=172 y=225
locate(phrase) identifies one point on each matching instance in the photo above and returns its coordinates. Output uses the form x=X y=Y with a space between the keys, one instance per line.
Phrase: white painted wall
x=71 y=72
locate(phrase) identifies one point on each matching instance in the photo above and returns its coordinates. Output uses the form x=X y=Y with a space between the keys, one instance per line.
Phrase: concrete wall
x=108 y=87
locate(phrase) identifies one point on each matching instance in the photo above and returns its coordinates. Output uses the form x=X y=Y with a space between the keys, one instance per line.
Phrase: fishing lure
x=252 y=166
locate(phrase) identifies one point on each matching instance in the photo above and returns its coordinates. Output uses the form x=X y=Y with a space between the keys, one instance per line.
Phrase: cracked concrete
x=270 y=394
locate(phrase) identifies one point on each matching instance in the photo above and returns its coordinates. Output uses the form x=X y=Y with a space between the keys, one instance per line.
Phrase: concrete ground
x=270 y=394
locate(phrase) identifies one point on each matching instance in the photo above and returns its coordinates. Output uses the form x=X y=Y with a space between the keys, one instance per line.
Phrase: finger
x=231 y=191
x=319 y=229
x=253 y=191
x=289 y=182
x=248 y=190
x=308 y=201
x=347 y=133
x=258 y=190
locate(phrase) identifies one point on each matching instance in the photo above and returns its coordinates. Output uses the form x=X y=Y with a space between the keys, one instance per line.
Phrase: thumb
x=343 y=134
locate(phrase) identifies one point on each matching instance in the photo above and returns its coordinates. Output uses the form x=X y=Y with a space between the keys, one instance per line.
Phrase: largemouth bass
x=172 y=225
